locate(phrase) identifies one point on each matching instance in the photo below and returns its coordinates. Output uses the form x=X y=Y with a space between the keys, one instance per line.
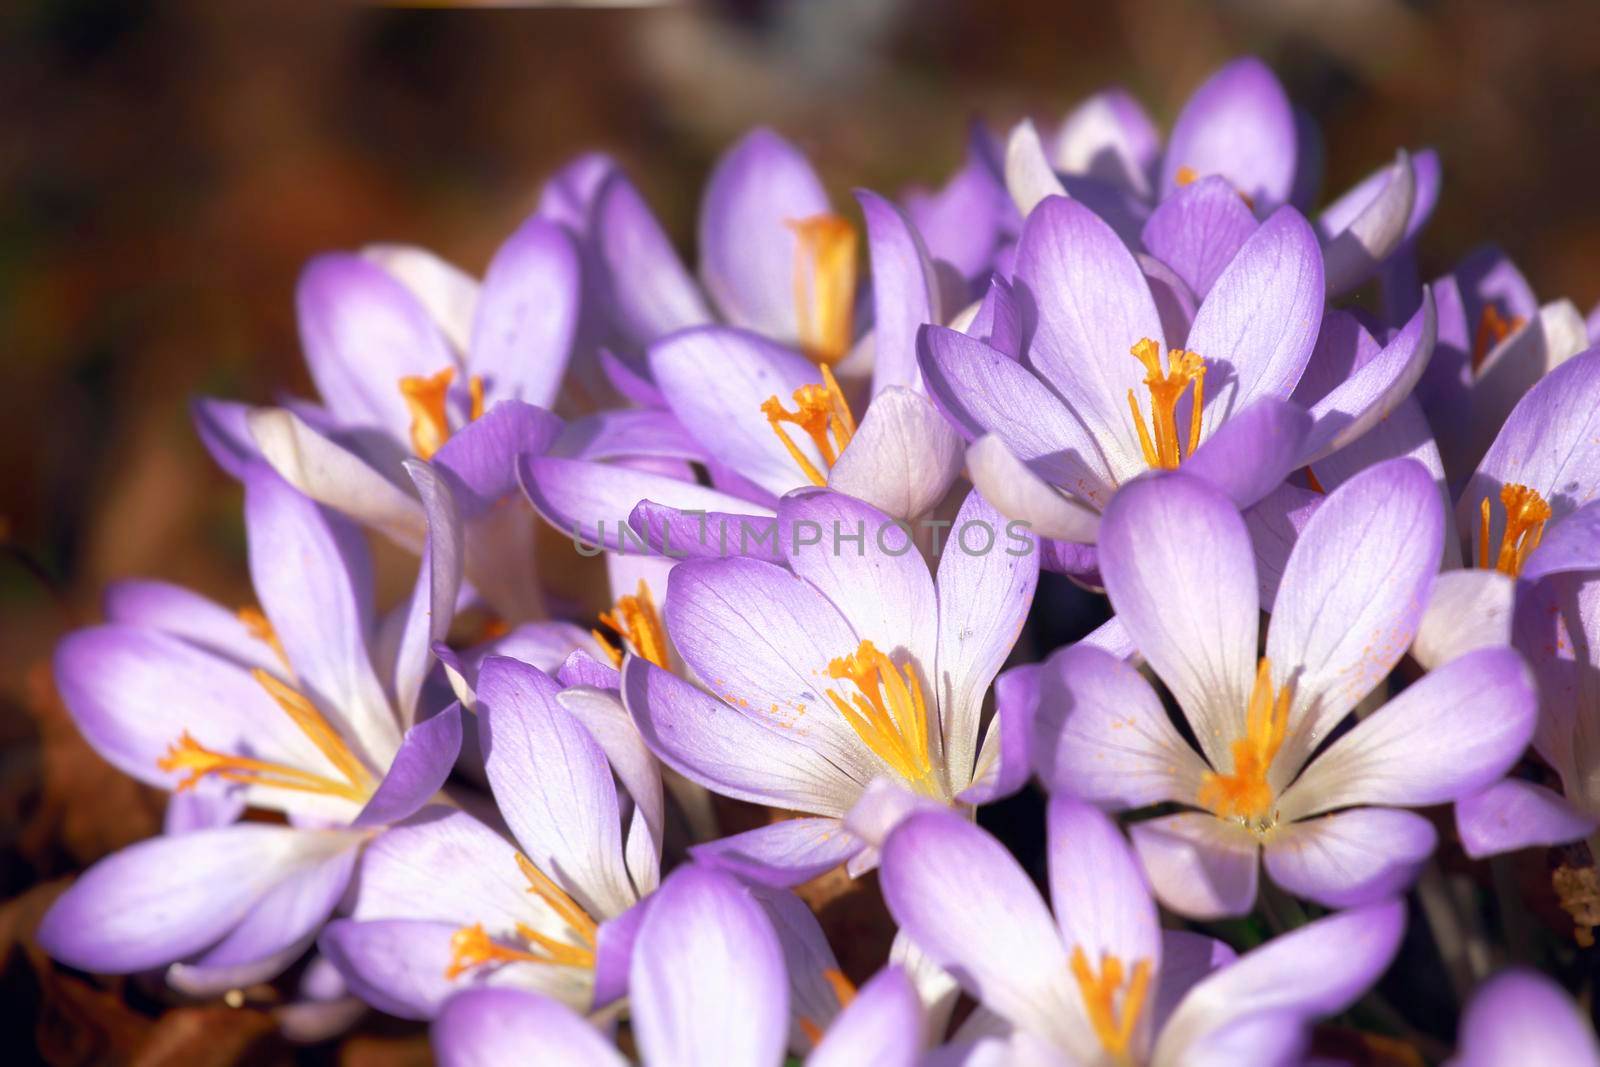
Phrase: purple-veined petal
x=224 y=428
x=1175 y=301
x=479 y=460
x=1514 y=368
x=448 y=293
x=607 y=721
x=527 y=315
x=1198 y=230
x=1110 y=137
x=427 y=615
x=1350 y=858
x=492 y=1027
x=1029 y=177
x=1018 y=492
x=1186 y=959
x=1572 y=544
x=649 y=291
x=201 y=810
x=1275 y=523
x=1367 y=224
x=1513 y=814
x=286 y=917
x=183 y=613
x=783 y=854
x=1520 y=1016
x=806 y=957
x=613 y=954
x=903 y=458
x=628 y=433
x=1469 y=609
x=1002 y=767
x=696 y=533
x=1238 y=124
x=1198 y=865
x=1251 y=453
x=882 y=1026
x=444 y=865
x=905 y=291
x=423 y=762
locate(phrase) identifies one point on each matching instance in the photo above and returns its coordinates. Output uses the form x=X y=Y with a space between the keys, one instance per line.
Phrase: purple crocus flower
x=1267 y=782
x=1102 y=984
x=707 y=985
x=1521 y=1017
x=855 y=665
x=308 y=707
x=445 y=902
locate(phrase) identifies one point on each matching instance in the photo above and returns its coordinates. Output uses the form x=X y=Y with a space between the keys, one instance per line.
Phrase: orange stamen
x=426 y=399
x=1099 y=992
x=540 y=885
x=1492 y=329
x=1245 y=793
x=1166 y=389
x=820 y=411
x=260 y=628
x=824 y=285
x=844 y=991
x=1186 y=176
x=636 y=620
x=1526 y=514
x=888 y=713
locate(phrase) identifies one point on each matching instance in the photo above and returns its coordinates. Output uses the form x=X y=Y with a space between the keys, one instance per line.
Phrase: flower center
x=1493 y=328
x=425 y=397
x=1099 y=993
x=824 y=285
x=189 y=756
x=636 y=621
x=1245 y=794
x=843 y=989
x=1526 y=514
x=821 y=412
x=471 y=947
x=887 y=713
x=1166 y=389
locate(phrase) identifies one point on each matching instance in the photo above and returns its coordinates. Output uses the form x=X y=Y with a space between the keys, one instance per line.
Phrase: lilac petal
x=1196 y=624
x=1238 y=124
x=286 y=918
x=884 y=805
x=224 y=428
x=1351 y=598
x=1090 y=305
x=363 y=332
x=995 y=323
x=397 y=966
x=490 y=1027
x=1198 y=865
x=607 y=721
x=881 y=1026
x=961 y=897
x=729 y=753
x=527 y=315
x=783 y=854
x=1098 y=893
x=1519 y=1016
x=1350 y=858
x=1198 y=230
x=1079 y=563
x=448 y=293
x=1251 y=453
x=553 y=785
x=905 y=292
x=1110 y=137
x=1275 y=524
x=1513 y=814
x=1516 y=366
x=716 y=379
x=1344 y=346
x=195 y=810
x=1186 y=959
x=1002 y=767
x=1175 y=301
x=1469 y=609
x=807 y=959
x=443 y=865
x=420 y=767
x=1018 y=492
x=425 y=619
x=762 y=638
x=696 y=533
x=568 y=196
x=168 y=898
x=185 y=614
x=1029 y=177
x=980 y=390
x=628 y=433
x=1318 y=970
x=1367 y=224
x=313 y=575
x=1573 y=544
x=1102 y=734
x=748 y=254
x=613 y=957
x=1258 y=324
x=903 y=458
x=708 y=982
x=1265 y=1039
x=480 y=460
x=1356 y=405
x=630 y=378
x=649 y=291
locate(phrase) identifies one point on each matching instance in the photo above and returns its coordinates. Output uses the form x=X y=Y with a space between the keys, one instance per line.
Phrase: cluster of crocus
x=1342 y=519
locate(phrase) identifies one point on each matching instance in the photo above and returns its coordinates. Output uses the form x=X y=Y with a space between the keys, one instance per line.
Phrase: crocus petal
x=1350 y=858
x=1175 y=301
x=1515 y=366
x=363 y=331
x=1193 y=619
x=427 y=616
x=628 y=433
x=1520 y=1016
x=527 y=314
x=1186 y=958
x=553 y=785
x=1029 y=176
x=195 y=810
x=969 y=906
x=613 y=954
x=1352 y=594
x=1002 y=767
x=995 y=320
x=905 y=291
x=1199 y=866
x=729 y=753
x=286 y=917
x=696 y=533
x=1110 y=137
x=650 y=293
x=1267 y=1039
x=1250 y=454
x=174 y=610
x=1238 y=124
x=903 y=458
x=783 y=854
x=1572 y=544
x=479 y=460
x=490 y=1027
x=607 y=721
x=1018 y=492
x=1102 y=734
x=420 y=767
x=1366 y=224
x=748 y=253
x=1469 y=609
x=1198 y=230
x=1097 y=891
x=224 y=428
x=1091 y=305
x=313 y=575
x=448 y=293
x=881 y=1026
x=1447 y=736
x=1319 y=969
x=708 y=982
x=170 y=897
x=443 y=865
x=1514 y=814
x=981 y=390
x=1258 y=324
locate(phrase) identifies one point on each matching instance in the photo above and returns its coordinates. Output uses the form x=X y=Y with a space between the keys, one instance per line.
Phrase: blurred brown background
x=166 y=168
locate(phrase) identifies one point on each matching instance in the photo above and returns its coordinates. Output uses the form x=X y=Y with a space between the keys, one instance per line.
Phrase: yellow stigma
x=844 y=991
x=1186 y=176
x=1099 y=992
x=425 y=397
x=189 y=756
x=471 y=947
x=1166 y=389
x=824 y=285
x=820 y=411
x=888 y=713
x=1492 y=329
x=1244 y=794
x=636 y=622
x=260 y=628
x=1526 y=514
